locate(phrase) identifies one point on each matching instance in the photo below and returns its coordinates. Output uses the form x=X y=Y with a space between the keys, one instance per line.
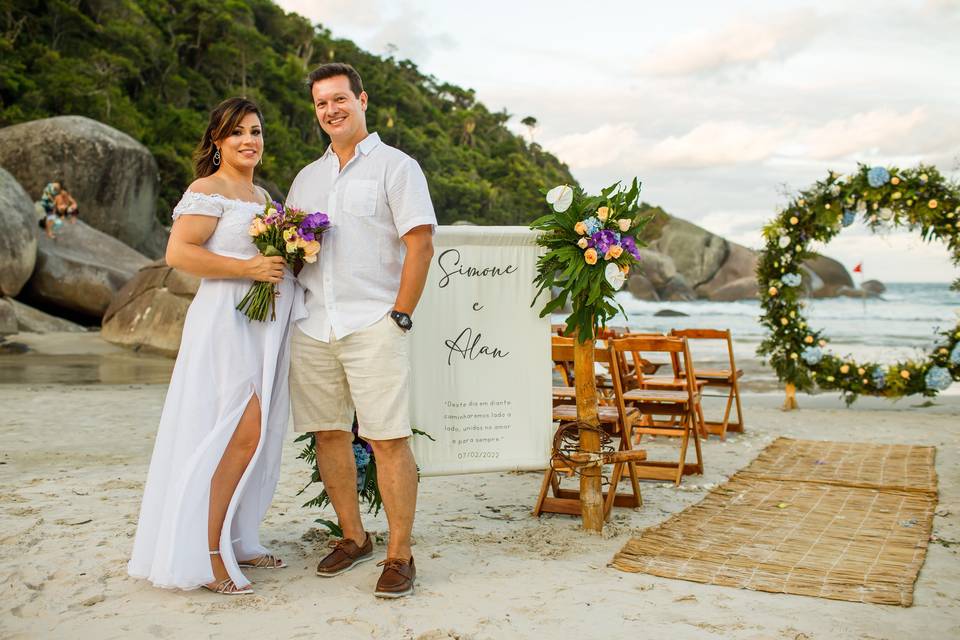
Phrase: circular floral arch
x=920 y=199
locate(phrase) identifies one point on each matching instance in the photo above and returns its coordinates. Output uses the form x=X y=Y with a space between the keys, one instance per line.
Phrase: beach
x=74 y=451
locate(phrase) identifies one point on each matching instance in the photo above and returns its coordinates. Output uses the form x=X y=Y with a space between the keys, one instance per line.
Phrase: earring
x=216 y=158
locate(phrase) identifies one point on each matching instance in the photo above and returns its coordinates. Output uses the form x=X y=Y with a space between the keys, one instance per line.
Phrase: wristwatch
x=402 y=319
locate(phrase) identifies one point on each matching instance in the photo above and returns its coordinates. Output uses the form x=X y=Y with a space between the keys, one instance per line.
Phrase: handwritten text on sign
x=481 y=356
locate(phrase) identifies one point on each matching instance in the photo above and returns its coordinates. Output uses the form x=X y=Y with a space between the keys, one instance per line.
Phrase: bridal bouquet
x=287 y=232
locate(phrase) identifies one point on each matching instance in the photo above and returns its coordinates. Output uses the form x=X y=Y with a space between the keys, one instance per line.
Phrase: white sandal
x=266 y=561
x=227 y=586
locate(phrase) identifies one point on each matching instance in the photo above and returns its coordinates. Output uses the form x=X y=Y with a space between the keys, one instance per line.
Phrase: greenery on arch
x=921 y=200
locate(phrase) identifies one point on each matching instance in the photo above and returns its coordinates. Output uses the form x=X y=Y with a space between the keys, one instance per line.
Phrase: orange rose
x=590 y=255
x=613 y=252
x=580 y=228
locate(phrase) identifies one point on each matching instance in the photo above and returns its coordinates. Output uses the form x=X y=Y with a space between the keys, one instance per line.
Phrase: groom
x=352 y=351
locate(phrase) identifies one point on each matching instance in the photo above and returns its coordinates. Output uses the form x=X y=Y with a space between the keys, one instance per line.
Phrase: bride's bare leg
x=235 y=459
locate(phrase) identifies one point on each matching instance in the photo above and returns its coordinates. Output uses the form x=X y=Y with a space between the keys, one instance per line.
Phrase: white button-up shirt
x=380 y=195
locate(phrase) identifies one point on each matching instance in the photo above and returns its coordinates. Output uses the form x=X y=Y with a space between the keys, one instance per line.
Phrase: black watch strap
x=402 y=319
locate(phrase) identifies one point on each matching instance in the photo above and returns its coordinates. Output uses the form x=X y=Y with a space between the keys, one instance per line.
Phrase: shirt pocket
x=360 y=198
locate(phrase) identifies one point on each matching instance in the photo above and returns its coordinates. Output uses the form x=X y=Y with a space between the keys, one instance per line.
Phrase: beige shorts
x=368 y=370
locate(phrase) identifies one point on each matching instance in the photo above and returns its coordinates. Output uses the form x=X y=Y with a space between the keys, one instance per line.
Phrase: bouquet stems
x=261 y=298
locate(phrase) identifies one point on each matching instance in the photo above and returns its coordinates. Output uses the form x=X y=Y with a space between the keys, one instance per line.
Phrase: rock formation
x=18 y=236
x=148 y=313
x=112 y=176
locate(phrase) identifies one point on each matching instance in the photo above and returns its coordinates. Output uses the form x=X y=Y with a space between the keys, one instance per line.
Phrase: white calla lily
x=615 y=276
x=560 y=197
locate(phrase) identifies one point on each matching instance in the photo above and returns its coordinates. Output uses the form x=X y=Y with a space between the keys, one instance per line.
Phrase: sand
x=73 y=459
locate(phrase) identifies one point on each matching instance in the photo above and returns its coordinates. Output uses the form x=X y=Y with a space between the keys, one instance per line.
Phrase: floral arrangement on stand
x=920 y=199
x=367 y=487
x=281 y=231
x=591 y=243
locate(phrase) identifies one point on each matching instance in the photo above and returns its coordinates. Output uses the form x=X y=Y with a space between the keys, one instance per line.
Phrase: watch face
x=402 y=320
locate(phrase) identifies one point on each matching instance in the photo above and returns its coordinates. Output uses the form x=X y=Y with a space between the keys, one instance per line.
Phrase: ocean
x=902 y=323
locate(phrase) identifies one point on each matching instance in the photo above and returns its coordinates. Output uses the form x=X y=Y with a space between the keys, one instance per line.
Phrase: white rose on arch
x=784 y=242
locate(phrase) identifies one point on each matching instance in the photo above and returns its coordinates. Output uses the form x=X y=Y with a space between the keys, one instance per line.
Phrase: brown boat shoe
x=397 y=578
x=345 y=556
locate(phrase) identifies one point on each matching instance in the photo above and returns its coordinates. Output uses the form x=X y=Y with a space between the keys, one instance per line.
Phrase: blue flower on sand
x=879 y=378
x=938 y=378
x=361 y=456
x=878 y=176
x=848 y=217
x=955 y=354
x=812 y=355
x=792 y=279
x=593 y=225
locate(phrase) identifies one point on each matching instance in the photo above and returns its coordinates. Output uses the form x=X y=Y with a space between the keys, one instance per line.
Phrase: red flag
x=858 y=268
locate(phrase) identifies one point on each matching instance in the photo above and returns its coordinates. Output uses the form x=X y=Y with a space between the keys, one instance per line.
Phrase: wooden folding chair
x=643 y=378
x=680 y=404
x=719 y=378
x=616 y=419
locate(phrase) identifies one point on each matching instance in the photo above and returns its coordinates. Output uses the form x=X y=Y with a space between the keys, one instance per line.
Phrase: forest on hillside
x=154 y=69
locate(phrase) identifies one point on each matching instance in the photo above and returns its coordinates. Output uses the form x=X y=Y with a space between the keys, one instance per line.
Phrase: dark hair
x=334 y=69
x=223 y=120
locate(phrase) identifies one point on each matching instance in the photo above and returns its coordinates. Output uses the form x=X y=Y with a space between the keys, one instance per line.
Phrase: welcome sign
x=480 y=356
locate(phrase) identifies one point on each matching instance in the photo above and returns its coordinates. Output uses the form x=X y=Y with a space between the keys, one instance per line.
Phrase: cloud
x=605 y=145
x=392 y=28
x=710 y=144
x=743 y=42
x=715 y=144
x=862 y=131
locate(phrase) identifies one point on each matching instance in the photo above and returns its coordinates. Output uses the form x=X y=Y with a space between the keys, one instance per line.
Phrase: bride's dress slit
x=234 y=462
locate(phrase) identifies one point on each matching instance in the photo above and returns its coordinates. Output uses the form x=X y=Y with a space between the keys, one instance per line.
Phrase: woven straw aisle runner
x=845 y=521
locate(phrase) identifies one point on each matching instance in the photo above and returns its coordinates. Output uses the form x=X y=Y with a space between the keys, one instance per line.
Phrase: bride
x=216 y=460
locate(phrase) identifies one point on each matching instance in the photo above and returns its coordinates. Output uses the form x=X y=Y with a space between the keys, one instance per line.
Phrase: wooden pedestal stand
x=790 y=403
x=591 y=488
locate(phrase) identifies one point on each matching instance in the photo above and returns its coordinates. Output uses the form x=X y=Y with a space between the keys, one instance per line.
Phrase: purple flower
x=313 y=224
x=630 y=245
x=605 y=239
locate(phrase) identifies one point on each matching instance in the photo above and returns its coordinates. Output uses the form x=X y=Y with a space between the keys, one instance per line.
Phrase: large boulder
x=833 y=275
x=740 y=263
x=656 y=267
x=677 y=290
x=874 y=287
x=18 y=236
x=148 y=313
x=8 y=318
x=696 y=253
x=641 y=288
x=80 y=270
x=30 y=320
x=112 y=176
x=741 y=289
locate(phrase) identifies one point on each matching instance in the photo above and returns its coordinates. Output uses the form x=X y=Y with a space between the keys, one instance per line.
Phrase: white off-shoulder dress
x=224 y=360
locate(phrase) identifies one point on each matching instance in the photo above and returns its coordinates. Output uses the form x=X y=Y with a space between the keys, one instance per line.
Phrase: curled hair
x=333 y=69
x=223 y=120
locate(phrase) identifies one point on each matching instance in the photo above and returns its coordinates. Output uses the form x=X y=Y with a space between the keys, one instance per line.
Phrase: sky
x=720 y=108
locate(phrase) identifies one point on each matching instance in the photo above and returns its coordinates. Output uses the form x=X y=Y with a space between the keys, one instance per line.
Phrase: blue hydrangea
x=361 y=456
x=878 y=176
x=938 y=378
x=879 y=378
x=593 y=225
x=812 y=355
x=955 y=354
x=792 y=279
x=849 y=216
